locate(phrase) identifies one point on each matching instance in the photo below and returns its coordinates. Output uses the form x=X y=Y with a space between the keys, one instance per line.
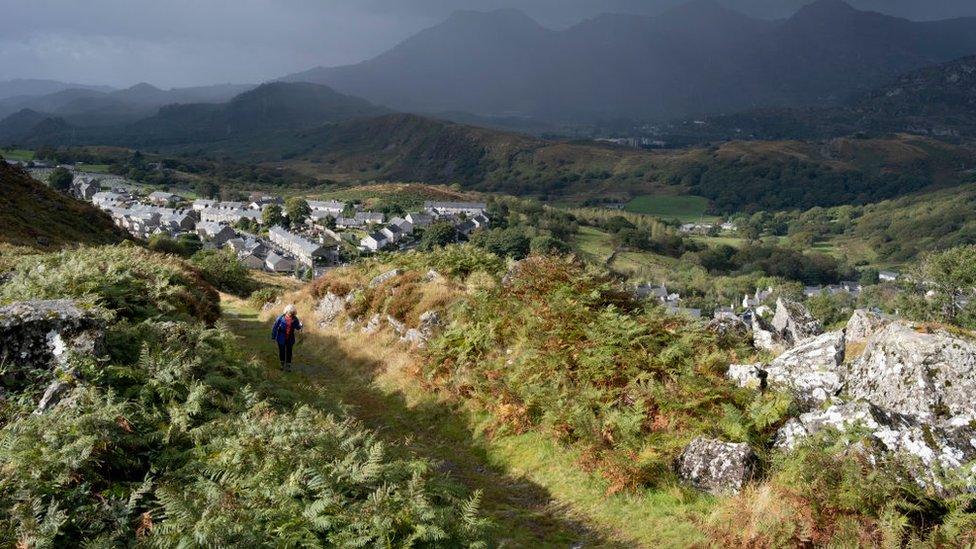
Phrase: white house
x=279 y=263
x=215 y=232
x=402 y=224
x=161 y=198
x=332 y=207
x=202 y=204
x=370 y=218
x=420 y=220
x=455 y=208
x=230 y=216
x=108 y=198
x=374 y=242
x=305 y=250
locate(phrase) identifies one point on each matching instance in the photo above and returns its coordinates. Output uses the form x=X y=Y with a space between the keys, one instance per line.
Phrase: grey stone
x=52 y=395
x=373 y=325
x=794 y=323
x=948 y=447
x=862 y=325
x=728 y=327
x=433 y=276
x=721 y=468
x=329 y=308
x=430 y=321
x=747 y=375
x=399 y=327
x=42 y=334
x=384 y=277
x=811 y=370
x=927 y=374
x=414 y=337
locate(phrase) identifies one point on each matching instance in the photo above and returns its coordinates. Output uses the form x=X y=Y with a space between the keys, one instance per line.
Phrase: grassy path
x=532 y=488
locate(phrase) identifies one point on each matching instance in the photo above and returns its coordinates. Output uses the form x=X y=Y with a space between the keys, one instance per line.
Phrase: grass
x=534 y=489
x=22 y=155
x=594 y=244
x=93 y=168
x=683 y=208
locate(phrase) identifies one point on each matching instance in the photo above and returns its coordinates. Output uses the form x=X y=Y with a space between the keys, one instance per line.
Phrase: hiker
x=284 y=331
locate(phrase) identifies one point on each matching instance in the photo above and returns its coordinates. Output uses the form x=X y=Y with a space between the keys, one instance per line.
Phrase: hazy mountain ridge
x=697 y=59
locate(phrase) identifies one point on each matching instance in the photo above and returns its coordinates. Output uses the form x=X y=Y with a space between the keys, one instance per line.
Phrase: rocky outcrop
x=811 y=370
x=862 y=325
x=374 y=324
x=930 y=375
x=765 y=337
x=37 y=335
x=384 y=277
x=330 y=308
x=399 y=327
x=750 y=376
x=721 y=468
x=794 y=323
x=928 y=446
x=728 y=328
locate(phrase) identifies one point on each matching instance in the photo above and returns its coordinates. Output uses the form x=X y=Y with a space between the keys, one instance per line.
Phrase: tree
x=510 y=242
x=207 y=189
x=952 y=276
x=297 y=210
x=548 y=245
x=60 y=179
x=437 y=236
x=272 y=216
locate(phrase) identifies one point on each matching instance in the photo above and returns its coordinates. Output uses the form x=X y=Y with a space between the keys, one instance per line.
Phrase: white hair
x=290 y=309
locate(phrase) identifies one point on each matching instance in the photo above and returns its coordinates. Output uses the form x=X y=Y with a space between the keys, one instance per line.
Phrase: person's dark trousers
x=284 y=353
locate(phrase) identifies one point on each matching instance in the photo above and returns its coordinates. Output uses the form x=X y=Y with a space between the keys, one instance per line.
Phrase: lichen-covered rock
x=930 y=375
x=765 y=337
x=946 y=446
x=862 y=325
x=384 y=277
x=728 y=327
x=52 y=395
x=414 y=337
x=399 y=327
x=812 y=370
x=721 y=468
x=794 y=323
x=329 y=308
x=42 y=334
x=430 y=321
x=750 y=376
x=373 y=325
x=433 y=276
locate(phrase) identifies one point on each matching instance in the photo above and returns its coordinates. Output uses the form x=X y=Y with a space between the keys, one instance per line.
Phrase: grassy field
x=533 y=489
x=17 y=154
x=684 y=208
x=92 y=168
x=593 y=244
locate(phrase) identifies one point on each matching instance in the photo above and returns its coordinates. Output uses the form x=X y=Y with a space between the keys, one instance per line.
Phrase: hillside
x=694 y=60
x=34 y=215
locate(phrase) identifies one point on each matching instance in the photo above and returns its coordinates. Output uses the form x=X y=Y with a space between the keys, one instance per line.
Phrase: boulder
x=747 y=375
x=52 y=395
x=388 y=275
x=39 y=335
x=765 y=337
x=948 y=446
x=812 y=370
x=433 y=276
x=415 y=337
x=794 y=323
x=928 y=374
x=728 y=327
x=329 y=308
x=721 y=468
x=862 y=325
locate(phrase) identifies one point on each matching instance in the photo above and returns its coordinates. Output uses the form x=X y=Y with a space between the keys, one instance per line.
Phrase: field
x=17 y=154
x=93 y=168
x=684 y=208
x=593 y=244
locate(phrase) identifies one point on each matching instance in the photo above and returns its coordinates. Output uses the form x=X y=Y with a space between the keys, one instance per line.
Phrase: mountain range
x=700 y=58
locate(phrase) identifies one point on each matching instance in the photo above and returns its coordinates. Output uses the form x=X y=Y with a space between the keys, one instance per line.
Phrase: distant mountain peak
x=505 y=17
x=826 y=8
x=143 y=87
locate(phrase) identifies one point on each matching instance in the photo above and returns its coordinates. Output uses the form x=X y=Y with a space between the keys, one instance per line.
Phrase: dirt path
x=369 y=380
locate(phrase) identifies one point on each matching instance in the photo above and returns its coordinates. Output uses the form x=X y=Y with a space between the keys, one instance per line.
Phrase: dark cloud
x=190 y=42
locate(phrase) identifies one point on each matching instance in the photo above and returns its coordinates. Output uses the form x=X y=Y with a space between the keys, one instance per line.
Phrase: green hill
x=34 y=215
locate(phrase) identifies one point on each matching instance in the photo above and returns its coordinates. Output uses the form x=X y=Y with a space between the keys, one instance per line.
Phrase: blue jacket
x=278 y=330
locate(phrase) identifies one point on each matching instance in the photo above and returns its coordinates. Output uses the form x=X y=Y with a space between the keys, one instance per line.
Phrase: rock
x=373 y=325
x=430 y=321
x=52 y=395
x=812 y=370
x=399 y=327
x=388 y=275
x=38 y=335
x=271 y=305
x=433 y=276
x=794 y=323
x=928 y=375
x=747 y=375
x=721 y=468
x=728 y=327
x=512 y=272
x=949 y=447
x=862 y=325
x=765 y=337
x=329 y=308
x=349 y=325
x=415 y=337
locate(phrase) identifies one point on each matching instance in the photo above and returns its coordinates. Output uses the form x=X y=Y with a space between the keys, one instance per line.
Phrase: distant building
x=349 y=223
x=333 y=207
x=279 y=263
x=306 y=251
x=161 y=198
x=230 y=216
x=375 y=242
x=370 y=218
x=419 y=220
x=108 y=198
x=200 y=205
x=85 y=188
x=455 y=208
x=888 y=276
x=215 y=232
x=405 y=227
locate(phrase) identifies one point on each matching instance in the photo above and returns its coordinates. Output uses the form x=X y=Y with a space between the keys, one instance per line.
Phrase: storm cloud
x=194 y=42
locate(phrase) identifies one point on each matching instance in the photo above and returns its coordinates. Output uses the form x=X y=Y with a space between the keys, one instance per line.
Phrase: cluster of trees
x=772 y=260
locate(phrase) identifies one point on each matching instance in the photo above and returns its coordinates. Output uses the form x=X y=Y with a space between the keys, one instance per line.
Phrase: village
x=332 y=232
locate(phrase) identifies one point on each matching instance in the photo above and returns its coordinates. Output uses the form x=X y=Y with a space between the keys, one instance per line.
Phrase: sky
x=175 y=43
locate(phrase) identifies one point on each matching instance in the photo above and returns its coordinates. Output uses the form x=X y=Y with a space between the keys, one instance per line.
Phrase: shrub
x=222 y=269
